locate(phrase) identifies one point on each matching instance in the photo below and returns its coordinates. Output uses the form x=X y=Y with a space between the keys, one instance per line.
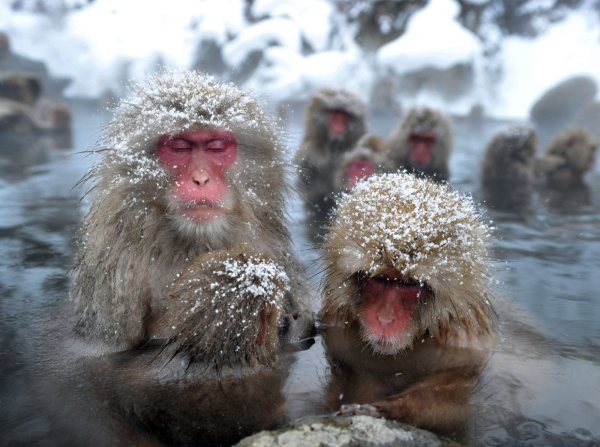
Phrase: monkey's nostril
x=295 y=315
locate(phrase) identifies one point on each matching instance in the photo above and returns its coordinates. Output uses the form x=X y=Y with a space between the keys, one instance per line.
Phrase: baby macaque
x=221 y=373
x=407 y=309
x=335 y=120
x=366 y=159
x=569 y=155
x=508 y=168
x=422 y=143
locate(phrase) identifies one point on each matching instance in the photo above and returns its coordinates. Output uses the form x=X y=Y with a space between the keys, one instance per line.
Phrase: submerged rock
x=346 y=431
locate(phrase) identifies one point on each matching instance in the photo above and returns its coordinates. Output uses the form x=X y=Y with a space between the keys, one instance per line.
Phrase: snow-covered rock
x=433 y=38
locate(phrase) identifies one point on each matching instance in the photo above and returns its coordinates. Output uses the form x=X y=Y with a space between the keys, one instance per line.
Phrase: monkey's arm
x=549 y=163
x=439 y=403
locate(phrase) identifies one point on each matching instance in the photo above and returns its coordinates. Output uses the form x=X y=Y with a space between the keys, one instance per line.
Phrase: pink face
x=338 y=123
x=422 y=144
x=359 y=170
x=389 y=306
x=200 y=161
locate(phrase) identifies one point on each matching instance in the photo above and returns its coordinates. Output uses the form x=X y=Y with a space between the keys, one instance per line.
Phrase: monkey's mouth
x=201 y=211
x=389 y=307
x=202 y=205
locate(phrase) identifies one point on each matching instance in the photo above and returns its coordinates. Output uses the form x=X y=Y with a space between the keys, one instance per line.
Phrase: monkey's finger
x=364 y=410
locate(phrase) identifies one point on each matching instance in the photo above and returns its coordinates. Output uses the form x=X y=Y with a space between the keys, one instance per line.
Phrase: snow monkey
x=569 y=155
x=367 y=158
x=188 y=166
x=335 y=120
x=220 y=374
x=508 y=168
x=422 y=143
x=407 y=308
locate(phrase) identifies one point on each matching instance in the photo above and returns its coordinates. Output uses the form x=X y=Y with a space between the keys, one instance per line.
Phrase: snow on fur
x=173 y=102
x=401 y=221
x=226 y=293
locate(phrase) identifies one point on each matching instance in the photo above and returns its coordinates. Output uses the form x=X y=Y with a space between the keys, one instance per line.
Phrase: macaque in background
x=220 y=374
x=22 y=87
x=407 y=312
x=569 y=155
x=335 y=120
x=188 y=166
x=422 y=143
x=508 y=168
x=366 y=159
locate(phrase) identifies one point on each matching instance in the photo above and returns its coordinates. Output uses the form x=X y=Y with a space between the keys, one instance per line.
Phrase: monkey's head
x=335 y=117
x=23 y=87
x=423 y=139
x=407 y=258
x=60 y=117
x=514 y=145
x=199 y=154
x=235 y=317
x=361 y=162
x=577 y=147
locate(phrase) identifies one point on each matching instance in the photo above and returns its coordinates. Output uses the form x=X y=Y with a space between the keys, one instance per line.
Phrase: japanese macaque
x=366 y=159
x=20 y=144
x=335 y=120
x=20 y=86
x=569 y=155
x=220 y=374
x=407 y=312
x=188 y=166
x=508 y=168
x=422 y=143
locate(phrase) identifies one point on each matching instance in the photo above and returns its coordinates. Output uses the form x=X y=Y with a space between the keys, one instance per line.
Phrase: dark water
x=547 y=371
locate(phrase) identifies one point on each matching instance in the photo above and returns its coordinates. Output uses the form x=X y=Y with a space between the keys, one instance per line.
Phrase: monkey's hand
x=364 y=410
x=440 y=403
x=298 y=329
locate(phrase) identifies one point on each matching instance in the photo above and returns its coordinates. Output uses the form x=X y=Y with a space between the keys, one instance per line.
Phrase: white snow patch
x=433 y=38
x=532 y=66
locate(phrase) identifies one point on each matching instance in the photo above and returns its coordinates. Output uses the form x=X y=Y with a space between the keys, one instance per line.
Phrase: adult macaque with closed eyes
x=508 y=168
x=335 y=120
x=220 y=374
x=188 y=166
x=366 y=159
x=407 y=310
x=422 y=143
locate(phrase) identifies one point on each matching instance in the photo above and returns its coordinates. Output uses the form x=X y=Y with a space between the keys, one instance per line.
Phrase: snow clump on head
x=229 y=295
x=413 y=225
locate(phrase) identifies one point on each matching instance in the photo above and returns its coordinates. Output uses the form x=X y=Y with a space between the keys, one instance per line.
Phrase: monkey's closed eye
x=216 y=145
x=179 y=144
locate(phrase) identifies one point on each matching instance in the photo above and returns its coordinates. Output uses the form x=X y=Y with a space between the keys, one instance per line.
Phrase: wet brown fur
x=211 y=384
x=429 y=383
